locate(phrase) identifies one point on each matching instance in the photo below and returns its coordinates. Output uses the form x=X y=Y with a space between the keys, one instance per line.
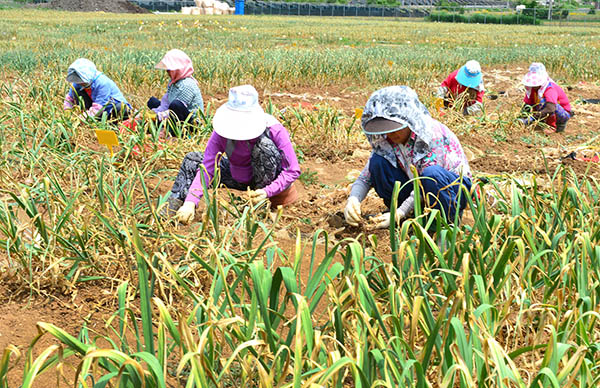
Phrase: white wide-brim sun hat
x=241 y=117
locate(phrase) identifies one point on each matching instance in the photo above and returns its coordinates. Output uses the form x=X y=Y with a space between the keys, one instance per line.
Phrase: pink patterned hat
x=536 y=76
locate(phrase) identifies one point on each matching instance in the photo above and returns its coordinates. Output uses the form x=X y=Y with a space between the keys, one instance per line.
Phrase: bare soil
x=20 y=316
x=114 y=6
x=513 y=151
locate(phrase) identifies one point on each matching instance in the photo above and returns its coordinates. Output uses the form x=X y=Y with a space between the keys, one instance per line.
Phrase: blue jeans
x=440 y=186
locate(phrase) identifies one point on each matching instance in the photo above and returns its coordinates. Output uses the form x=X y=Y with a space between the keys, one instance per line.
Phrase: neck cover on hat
x=178 y=63
x=82 y=71
x=400 y=104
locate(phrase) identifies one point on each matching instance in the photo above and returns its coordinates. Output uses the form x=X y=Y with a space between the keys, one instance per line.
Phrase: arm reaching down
x=383 y=220
x=162 y=112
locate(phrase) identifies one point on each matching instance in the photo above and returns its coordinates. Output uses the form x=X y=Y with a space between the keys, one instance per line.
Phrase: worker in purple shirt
x=253 y=151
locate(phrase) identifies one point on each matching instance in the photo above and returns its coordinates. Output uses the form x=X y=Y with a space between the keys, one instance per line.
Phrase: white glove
x=402 y=211
x=382 y=221
x=472 y=109
x=441 y=92
x=352 y=211
x=257 y=195
x=186 y=212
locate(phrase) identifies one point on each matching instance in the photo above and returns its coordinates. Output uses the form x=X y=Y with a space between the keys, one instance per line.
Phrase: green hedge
x=483 y=18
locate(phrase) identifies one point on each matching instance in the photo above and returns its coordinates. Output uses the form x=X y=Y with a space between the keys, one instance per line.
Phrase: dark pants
x=178 y=112
x=440 y=186
x=113 y=109
x=266 y=167
x=177 y=108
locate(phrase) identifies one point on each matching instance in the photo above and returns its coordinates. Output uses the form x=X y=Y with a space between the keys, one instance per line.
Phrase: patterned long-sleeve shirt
x=444 y=150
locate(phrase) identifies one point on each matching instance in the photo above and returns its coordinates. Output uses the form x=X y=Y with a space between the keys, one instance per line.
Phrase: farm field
x=96 y=288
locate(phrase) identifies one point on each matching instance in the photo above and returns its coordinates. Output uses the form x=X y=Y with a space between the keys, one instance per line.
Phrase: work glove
x=383 y=220
x=256 y=196
x=352 y=211
x=442 y=91
x=526 y=120
x=186 y=212
x=473 y=109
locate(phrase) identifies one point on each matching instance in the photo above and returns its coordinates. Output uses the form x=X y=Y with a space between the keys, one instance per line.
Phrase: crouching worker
x=403 y=134
x=464 y=85
x=98 y=93
x=251 y=148
x=544 y=99
x=183 y=98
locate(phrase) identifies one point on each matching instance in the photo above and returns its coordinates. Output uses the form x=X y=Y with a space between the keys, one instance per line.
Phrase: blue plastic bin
x=239 y=7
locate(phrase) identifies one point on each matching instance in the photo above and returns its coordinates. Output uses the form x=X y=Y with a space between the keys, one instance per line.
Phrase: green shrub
x=483 y=18
x=450 y=6
x=538 y=11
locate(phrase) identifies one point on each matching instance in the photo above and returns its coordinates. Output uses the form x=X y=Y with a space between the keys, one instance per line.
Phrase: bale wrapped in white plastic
x=209 y=11
x=198 y=3
x=186 y=10
x=208 y=3
x=221 y=6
